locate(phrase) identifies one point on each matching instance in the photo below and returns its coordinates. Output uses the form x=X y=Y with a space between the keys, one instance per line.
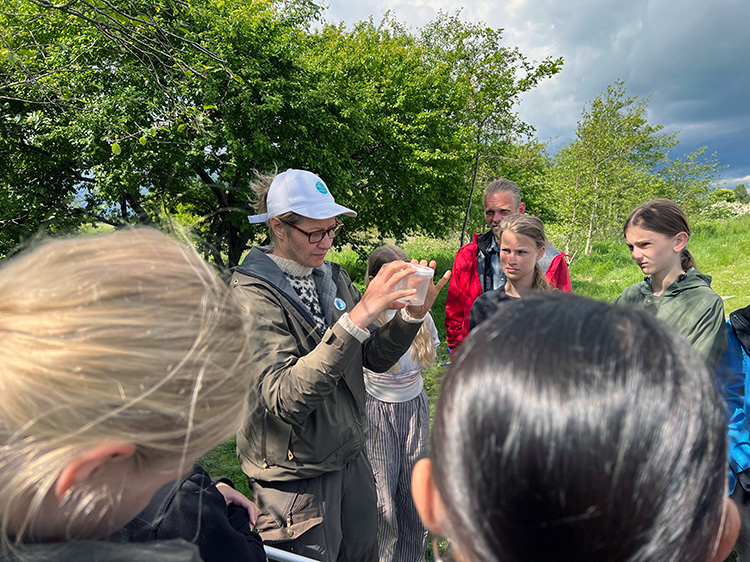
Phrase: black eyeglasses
x=317 y=236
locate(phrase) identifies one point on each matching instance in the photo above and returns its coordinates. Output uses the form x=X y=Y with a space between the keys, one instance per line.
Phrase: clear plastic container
x=419 y=280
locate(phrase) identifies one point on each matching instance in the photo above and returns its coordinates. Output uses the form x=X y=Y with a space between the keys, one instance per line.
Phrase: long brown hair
x=665 y=217
x=533 y=228
x=423 y=347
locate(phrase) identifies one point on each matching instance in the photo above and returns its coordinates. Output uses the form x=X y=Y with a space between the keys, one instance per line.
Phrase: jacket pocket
x=275 y=441
x=288 y=509
x=330 y=438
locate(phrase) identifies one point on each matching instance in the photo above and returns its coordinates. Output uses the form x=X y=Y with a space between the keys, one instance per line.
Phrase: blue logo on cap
x=322 y=188
x=339 y=303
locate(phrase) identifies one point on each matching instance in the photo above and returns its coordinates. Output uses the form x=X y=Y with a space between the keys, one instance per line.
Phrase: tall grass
x=721 y=249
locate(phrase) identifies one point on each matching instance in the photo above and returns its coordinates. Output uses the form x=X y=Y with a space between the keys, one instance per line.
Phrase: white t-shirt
x=406 y=383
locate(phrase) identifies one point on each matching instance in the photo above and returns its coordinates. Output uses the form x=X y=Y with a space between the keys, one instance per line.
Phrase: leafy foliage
x=721 y=194
x=396 y=143
x=160 y=112
x=617 y=161
x=490 y=77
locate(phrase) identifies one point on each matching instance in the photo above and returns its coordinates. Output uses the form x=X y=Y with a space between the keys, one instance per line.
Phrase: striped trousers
x=398 y=437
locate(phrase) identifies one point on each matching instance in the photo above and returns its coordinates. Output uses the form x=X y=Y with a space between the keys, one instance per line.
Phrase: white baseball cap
x=301 y=192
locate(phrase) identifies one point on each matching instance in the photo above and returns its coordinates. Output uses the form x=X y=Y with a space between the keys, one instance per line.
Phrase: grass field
x=720 y=247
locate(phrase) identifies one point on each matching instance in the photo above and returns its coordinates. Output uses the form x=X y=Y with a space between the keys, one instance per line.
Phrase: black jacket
x=102 y=551
x=196 y=511
x=486 y=305
x=740 y=321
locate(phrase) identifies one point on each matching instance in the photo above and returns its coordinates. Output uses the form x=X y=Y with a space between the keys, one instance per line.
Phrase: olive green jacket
x=691 y=307
x=307 y=401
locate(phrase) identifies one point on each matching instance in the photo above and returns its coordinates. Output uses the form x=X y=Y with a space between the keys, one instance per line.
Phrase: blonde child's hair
x=128 y=336
x=422 y=348
x=533 y=228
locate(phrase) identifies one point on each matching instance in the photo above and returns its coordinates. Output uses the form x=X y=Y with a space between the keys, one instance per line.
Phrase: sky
x=691 y=56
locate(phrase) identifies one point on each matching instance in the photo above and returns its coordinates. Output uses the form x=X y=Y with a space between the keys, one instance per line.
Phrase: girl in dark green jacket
x=674 y=290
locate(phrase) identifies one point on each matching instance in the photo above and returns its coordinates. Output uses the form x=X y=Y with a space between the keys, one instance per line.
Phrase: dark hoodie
x=193 y=509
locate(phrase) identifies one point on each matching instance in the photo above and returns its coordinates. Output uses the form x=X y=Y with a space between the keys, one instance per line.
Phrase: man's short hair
x=504 y=185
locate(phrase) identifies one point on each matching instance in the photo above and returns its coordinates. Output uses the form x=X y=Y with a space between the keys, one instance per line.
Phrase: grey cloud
x=692 y=56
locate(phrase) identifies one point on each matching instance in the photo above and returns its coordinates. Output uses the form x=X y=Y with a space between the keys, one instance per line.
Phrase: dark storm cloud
x=692 y=57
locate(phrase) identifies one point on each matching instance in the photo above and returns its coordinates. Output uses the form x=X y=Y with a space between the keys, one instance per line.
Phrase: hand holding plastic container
x=420 y=280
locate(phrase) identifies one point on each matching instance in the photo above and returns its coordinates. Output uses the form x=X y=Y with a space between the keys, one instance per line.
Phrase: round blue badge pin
x=320 y=186
x=339 y=303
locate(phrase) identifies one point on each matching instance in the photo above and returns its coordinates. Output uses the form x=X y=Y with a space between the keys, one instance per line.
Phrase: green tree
x=740 y=193
x=720 y=195
x=398 y=150
x=156 y=112
x=116 y=116
x=688 y=180
x=526 y=162
x=617 y=161
x=100 y=108
x=491 y=77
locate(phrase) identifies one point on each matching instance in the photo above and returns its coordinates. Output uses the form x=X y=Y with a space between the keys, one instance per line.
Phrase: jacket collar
x=257 y=264
x=740 y=321
x=691 y=279
x=484 y=241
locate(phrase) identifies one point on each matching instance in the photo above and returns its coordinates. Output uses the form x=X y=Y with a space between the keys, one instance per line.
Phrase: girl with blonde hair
x=124 y=358
x=398 y=418
x=522 y=241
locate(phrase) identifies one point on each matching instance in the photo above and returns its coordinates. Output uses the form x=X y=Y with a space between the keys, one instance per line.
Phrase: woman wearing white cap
x=302 y=446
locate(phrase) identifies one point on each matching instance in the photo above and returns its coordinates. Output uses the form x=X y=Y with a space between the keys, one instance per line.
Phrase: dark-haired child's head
x=568 y=429
x=657 y=234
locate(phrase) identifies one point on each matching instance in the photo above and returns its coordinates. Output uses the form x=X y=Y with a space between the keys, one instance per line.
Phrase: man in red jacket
x=476 y=268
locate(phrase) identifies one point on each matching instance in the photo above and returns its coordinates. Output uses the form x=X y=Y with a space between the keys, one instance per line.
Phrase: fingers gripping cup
x=419 y=280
